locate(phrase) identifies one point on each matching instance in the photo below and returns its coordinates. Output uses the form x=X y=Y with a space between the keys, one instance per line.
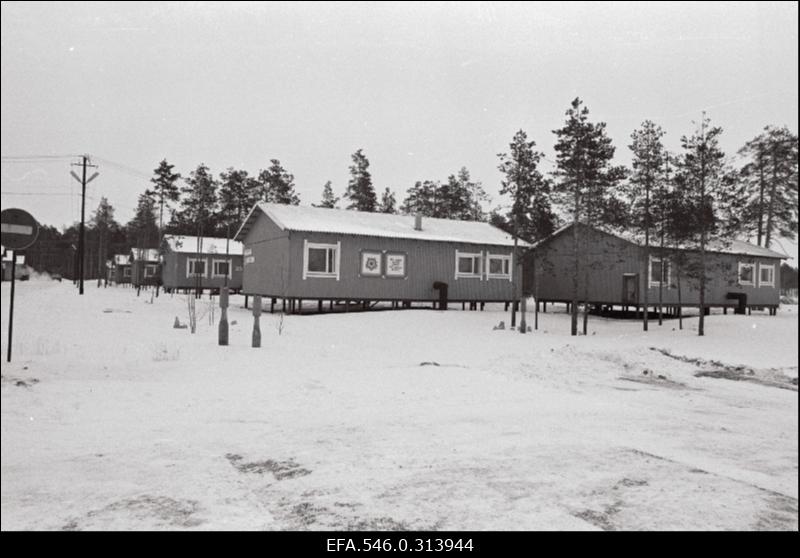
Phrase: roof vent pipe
x=418 y=222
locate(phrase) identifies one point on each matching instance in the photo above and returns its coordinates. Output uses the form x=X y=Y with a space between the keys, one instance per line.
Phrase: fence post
x=256 y=324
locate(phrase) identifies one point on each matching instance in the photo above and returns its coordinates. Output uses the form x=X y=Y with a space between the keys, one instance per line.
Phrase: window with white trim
x=321 y=260
x=747 y=272
x=220 y=268
x=659 y=272
x=196 y=267
x=149 y=271
x=499 y=266
x=766 y=275
x=468 y=264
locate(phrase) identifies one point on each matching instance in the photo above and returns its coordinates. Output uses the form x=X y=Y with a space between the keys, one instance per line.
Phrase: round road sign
x=18 y=229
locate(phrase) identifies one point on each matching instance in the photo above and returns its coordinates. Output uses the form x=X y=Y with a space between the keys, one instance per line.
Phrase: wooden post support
x=223 y=319
x=256 y=318
x=523 y=327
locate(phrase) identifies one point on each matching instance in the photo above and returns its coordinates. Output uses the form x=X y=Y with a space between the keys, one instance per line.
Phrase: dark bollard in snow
x=223 y=320
x=256 y=324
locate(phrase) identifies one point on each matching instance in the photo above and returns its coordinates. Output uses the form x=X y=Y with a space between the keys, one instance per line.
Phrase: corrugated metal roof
x=211 y=245
x=730 y=247
x=386 y=225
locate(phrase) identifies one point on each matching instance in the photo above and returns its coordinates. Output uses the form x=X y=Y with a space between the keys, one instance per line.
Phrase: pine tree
x=644 y=182
x=238 y=192
x=359 y=190
x=706 y=193
x=473 y=195
x=328 y=199
x=277 y=185
x=165 y=188
x=457 y=198
x=531 y=214
x=198 y=204
x=142 y=229
x=769 y=180
x=523 y=183
x=586 y=183
x=424 y=198
x=104 y=225
x=388 y=203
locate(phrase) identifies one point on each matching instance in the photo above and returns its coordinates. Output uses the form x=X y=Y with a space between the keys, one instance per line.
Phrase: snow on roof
x=730 y=247
x=146 y=254
x=122 y=259
x=387 y=225
x=210 y=245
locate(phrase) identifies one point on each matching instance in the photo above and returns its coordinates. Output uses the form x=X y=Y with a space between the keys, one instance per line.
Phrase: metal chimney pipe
x=418 y=222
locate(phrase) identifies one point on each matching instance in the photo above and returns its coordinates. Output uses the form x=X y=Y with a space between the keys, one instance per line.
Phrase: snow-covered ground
x=412 y=419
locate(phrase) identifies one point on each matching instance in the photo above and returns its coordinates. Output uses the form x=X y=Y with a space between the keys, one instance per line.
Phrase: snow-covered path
x=112 y=419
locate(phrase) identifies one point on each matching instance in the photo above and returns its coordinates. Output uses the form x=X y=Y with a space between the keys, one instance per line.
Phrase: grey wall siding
x=118 y=274
x=266 y=259
x=426 y=263
x=607 y=259
x=174 y=276
x=137 y=274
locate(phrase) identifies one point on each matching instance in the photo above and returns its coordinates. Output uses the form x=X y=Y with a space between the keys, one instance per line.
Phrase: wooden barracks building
x=615 y=271
x=307 y=253
x=205 y=263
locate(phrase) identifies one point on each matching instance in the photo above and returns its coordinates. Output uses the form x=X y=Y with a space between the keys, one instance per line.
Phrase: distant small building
x=22 y=272
x=144 y=267
x=191 y=262
x=310 y=253
x=120 y=271
x=615 y=270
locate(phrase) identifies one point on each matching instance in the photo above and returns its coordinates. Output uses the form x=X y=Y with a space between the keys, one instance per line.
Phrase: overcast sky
x=424 y=89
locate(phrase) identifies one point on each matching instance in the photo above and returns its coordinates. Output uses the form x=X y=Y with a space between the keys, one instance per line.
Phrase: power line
x=124 y=168
x=28 y=158
x=5 y=193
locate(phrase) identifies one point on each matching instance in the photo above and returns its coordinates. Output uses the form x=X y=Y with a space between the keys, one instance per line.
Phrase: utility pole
x=82 y=234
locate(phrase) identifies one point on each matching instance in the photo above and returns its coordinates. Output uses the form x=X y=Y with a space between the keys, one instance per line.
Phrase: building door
x=630 y=288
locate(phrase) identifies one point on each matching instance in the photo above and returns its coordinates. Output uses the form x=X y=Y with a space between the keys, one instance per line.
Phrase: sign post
x=18 y=230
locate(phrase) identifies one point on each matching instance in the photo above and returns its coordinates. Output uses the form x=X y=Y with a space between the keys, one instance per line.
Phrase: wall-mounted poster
x=371 y=264
x=395 y=265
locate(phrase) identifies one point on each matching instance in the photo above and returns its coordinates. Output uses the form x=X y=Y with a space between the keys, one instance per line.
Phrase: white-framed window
x=220 y=268
x=659 y=272
x=196 y=267
x=747 y=274
x=321 y=260
x=371 y=263
x=150 y=271
x=766 y=275
x=468 y=264
x=498 y=266
x=126 y=271
x=395 y=265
